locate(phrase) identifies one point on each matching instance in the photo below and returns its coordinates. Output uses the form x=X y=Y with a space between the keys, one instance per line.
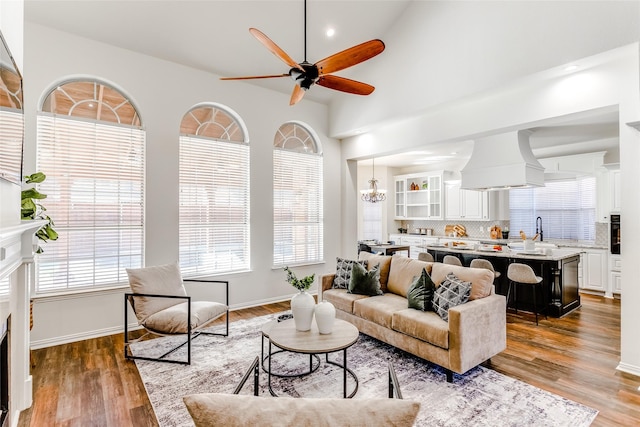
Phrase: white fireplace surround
x=16 y=264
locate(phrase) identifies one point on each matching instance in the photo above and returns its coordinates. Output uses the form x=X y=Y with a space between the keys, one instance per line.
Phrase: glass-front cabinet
x=419 y=196
x=400 y=197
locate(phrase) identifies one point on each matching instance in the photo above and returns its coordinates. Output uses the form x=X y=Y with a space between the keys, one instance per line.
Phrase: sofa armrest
x=477 y=331
x=327 y=282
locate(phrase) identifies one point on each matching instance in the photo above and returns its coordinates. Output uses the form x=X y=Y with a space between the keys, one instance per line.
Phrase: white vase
x=325 y=315
x=302 y=307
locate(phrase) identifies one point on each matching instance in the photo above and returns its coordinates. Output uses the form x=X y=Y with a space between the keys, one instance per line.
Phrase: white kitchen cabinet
x=607 y=193
x=615 y=273
x=594 y=269
x=468 y=205
x=419 y=196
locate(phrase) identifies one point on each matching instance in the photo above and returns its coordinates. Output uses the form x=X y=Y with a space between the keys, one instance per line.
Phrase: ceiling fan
x=306 y=74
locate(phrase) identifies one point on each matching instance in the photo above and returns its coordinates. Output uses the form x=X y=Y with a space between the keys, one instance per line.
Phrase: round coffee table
x=285 y=336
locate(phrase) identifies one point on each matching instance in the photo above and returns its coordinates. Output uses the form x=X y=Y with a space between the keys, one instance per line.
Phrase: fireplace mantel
x=16 y=265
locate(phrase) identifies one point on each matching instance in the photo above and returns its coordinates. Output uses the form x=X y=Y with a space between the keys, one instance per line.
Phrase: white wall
x=164 y=92
x=610 y=82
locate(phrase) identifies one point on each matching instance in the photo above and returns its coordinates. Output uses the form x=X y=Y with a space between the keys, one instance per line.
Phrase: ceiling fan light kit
x=305 y=74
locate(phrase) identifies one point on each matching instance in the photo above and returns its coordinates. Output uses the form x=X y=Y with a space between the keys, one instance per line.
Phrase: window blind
x=297 y=208
x=95 y=189
x=567 y=209
x=372 y=221
x=11 y=144
x=214 y=206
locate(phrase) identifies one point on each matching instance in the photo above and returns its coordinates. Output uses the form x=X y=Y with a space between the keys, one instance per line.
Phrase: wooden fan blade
x=349 y=57
x=254 y=77
x=274 y=48
x=296 y=95
x=345 y=85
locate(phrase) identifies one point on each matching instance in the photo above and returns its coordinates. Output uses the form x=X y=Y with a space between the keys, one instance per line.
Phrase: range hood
x=502 y=161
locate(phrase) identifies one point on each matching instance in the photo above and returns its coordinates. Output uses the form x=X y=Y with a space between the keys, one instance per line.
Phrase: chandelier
x=372 y=194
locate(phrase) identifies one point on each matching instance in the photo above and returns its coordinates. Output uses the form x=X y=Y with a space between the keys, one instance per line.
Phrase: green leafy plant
x=30 y=208
x=299 y=284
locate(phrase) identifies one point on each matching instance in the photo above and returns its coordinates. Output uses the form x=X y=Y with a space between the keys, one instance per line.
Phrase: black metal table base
x=312 y=369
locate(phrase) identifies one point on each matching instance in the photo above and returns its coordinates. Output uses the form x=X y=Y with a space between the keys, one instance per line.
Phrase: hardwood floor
x=89 y=383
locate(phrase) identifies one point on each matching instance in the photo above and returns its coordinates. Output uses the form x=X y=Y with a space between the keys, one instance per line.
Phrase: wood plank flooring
x=89 y=383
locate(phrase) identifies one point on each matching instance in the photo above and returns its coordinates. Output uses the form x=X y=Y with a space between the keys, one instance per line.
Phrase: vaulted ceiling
x=437 y=51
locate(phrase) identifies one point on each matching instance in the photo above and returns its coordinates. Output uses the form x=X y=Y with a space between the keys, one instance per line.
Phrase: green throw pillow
x=420 y=293
x=365 y=282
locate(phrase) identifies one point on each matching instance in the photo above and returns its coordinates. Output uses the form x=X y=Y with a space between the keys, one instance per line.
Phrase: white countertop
x=538 y=254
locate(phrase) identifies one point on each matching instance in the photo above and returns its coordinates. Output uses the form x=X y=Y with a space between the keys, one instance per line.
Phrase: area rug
x=480 y=397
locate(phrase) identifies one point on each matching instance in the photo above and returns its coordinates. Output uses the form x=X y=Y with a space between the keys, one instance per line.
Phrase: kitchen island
x=557 y=267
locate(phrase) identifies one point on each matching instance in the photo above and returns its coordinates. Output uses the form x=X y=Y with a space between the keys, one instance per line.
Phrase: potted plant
x=302 y=303
x=32 y=209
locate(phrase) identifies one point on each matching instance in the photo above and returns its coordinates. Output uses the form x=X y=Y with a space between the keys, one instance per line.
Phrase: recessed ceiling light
x=330 y=32
x=90 y=105
x=571 y=67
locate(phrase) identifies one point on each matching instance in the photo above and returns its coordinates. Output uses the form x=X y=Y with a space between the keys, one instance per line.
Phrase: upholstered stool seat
x=522 y=274
x=425 y=256
x=451 y=260
x=486 y=264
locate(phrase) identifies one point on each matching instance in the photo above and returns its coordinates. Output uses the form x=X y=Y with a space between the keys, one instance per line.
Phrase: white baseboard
x=50 y=342
x=629 y=369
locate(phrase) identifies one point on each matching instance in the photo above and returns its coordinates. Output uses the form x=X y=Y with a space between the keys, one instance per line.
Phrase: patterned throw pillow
x=343 y=272
x=420 y=293
x=452 y=292
x=365 y=282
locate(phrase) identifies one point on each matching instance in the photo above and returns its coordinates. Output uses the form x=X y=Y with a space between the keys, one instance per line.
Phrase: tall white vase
x=325 y=316
x=302 y=307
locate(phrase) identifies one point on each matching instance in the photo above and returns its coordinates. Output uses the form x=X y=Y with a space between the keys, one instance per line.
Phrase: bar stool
x=451 y=260
x=425 y=256
x=522 y=274
x=486 y=264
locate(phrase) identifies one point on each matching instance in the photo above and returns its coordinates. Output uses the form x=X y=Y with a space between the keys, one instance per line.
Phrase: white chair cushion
x=230 y=410
x=162 y=280
x=173 y=320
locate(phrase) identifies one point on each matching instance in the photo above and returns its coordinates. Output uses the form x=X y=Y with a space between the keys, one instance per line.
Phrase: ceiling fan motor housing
x=307 y=78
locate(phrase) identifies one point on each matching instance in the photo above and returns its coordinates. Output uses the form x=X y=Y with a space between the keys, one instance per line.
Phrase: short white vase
x=325 y=316
x=302 y=307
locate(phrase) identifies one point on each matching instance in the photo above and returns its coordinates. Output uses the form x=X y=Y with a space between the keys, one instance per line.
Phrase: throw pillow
x=365 y=282
x=450 y=293
x=420 y=293
x=343 y=272
x=159 y=280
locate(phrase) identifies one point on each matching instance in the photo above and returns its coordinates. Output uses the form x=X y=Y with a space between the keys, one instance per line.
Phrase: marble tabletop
x=542 y=254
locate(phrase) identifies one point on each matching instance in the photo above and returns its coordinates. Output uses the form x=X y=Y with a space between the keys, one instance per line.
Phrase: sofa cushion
x=480 y=278
x=426 y=326
x=402 y=272
x=380 y=309
x=385 y=264
x=365 y=282
x=159 y=280
x=420 y=293
x=452 y=292
x=343 y=272
x=341 y=299
x=231 y=410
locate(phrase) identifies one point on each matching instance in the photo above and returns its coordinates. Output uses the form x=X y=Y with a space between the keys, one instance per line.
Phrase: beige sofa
x=475 y=332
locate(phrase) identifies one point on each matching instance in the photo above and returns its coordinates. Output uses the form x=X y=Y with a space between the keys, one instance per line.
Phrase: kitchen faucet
x=539 y=228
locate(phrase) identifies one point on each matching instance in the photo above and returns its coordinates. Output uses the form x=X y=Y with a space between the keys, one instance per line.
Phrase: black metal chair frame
x=128 y=297
x=254 y=371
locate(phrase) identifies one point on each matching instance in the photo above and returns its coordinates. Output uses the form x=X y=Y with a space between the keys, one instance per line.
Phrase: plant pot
x=302 y=306
x=325 y=316
x=505 y=234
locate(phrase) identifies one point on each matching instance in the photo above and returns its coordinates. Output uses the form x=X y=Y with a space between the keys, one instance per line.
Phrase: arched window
x=214 y=192
x=298 y=218
x=91 y=148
